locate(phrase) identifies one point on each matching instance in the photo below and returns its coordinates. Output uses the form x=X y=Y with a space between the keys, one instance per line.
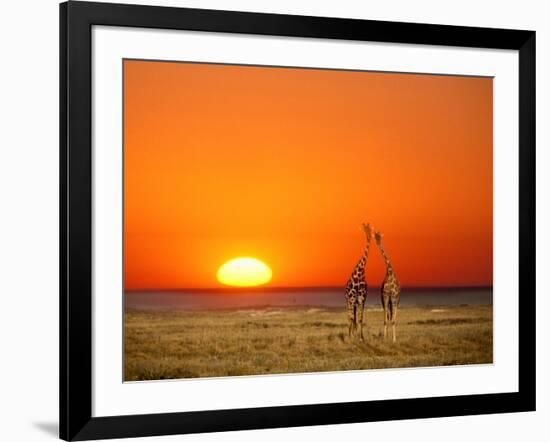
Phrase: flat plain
x=233 y=342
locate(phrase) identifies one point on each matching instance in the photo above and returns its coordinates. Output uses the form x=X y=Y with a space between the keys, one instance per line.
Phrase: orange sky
x=284 y=165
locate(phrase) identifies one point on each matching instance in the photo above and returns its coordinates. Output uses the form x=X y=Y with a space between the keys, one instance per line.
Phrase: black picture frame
x=76 y=21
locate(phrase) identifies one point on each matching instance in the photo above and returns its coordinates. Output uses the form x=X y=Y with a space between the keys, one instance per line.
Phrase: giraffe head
x=367 y=228
x=378 y=237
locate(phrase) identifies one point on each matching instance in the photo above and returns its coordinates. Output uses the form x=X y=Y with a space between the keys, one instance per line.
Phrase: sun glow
x=244 y=272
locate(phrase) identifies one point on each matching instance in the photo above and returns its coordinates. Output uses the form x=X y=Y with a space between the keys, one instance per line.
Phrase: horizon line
x=301 y=288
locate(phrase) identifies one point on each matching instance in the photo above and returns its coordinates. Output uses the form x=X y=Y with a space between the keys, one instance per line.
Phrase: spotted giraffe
x=356 y=289
x=391 y=290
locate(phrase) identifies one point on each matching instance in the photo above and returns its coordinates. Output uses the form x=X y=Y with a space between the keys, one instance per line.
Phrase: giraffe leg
x=386 y=314
x=351 y=315
x=394 y=320
x=360 y=311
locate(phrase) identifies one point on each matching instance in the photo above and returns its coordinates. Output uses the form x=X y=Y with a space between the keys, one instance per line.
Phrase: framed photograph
x=274 y=220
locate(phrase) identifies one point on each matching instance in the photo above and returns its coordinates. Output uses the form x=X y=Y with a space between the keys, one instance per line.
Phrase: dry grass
x=170 y=345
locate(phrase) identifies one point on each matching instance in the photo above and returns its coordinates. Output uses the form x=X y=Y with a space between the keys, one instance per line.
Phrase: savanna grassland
x=184 y=344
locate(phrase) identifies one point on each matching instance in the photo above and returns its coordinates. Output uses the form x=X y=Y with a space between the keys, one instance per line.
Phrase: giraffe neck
x=386 y=259
x=360 y=267
x=366 y=252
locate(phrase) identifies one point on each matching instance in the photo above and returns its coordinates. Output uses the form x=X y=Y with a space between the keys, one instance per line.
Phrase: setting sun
x=244 y=272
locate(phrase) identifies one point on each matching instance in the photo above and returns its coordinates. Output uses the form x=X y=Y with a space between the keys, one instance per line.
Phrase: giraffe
x=356 y=289
x=391 y=290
